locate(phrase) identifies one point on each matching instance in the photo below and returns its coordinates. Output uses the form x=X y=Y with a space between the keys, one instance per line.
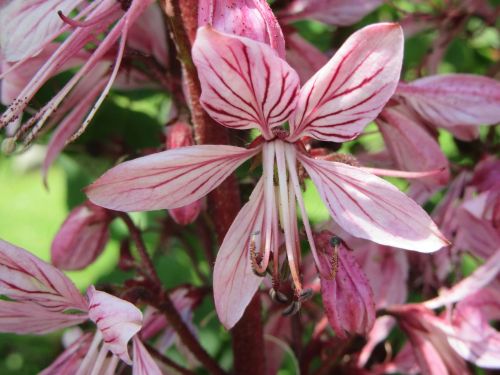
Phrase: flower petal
x=69 y=361
x=337 y=12
x=454 y=99
x=25 y=278
x=168 y=179
x=253 y=19
x=352 y=88
x=28 y=318
x=143 y=362
x=116 y=319
x=369 y=207
x=27 y=26
x=245 y=84
x=235 y=283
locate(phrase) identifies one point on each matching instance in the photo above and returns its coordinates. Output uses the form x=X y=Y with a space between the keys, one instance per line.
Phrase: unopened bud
x=81 y=238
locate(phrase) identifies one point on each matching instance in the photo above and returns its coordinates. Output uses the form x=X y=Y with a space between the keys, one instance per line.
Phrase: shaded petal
x=369 y=207
x=26 y=317
x=245 y=84
x=168 y=179
x=352 y=88
x=143 y=362
x=337 y=12
x=481 y=277
x=69 y=361
x=116 y=319
x=411 y=146
x=253 y=19
x=26 y=26
x=454 y=99
x=26 y=278
x=234 y=282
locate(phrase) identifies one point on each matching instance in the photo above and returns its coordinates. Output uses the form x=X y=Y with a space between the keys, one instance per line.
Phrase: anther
x=292 y=309
x=255 y=259
x=305 y=294
x=277 y=296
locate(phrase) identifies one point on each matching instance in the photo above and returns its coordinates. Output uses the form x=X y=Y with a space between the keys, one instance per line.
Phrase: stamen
x=278 y=296
x=256 y=259
x=305 y=295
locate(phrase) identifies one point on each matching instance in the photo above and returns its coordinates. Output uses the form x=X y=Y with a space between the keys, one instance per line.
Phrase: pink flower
x=245 y=85
x=42 y=299
x=81 y=238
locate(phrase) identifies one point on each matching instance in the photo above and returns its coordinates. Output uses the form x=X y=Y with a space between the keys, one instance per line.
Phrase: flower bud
x=81 y=238
x=179 y=135
x=253 y=19
x=347 y=294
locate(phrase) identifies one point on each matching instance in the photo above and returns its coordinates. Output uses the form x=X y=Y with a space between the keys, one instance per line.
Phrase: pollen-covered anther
x=304 y=295
x=256 y=259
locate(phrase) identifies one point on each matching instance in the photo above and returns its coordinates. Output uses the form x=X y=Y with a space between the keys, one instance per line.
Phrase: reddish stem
x=224 y=202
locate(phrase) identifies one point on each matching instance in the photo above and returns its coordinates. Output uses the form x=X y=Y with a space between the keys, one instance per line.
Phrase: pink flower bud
x=253 y=19
x=179 y=135
x=347 y=294
x=81 y=238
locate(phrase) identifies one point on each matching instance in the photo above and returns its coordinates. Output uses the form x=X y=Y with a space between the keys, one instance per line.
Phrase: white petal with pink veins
x=245 y=84
x=454 y=99
x=168 y=179
x=234 y=280
x=369 y=207
x=352 y=88
x=116 y=319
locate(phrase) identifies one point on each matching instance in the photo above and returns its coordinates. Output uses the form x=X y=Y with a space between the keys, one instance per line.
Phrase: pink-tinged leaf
x=245 y=84
x=116 y=319
x=27 y=318
x=143 y=362
x=69 y=361
x=369 y=207
x=168 y=179
x=303 y=56
x=411 y=146
x=454 y=99
x=347 y=297
x=352 y=88
x=234 y=281
x=333 y=12
x=25 y=278
x=481 y=277
x=253 y=19
x=81 y=238
x=26 y=26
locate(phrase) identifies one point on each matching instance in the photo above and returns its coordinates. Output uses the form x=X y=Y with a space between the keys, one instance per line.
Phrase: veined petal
x=143 y=363
x=253 y=19
x=454 y=99
x=69 y=361
x=369 y=207
x=245 y=84
x=411 y=146
x=168 y=179
x=337 y=12
x=116 y=319
x=25 y=278
x=235 y=283
x=352 y=88
x=28 y=318
x=26 y=26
